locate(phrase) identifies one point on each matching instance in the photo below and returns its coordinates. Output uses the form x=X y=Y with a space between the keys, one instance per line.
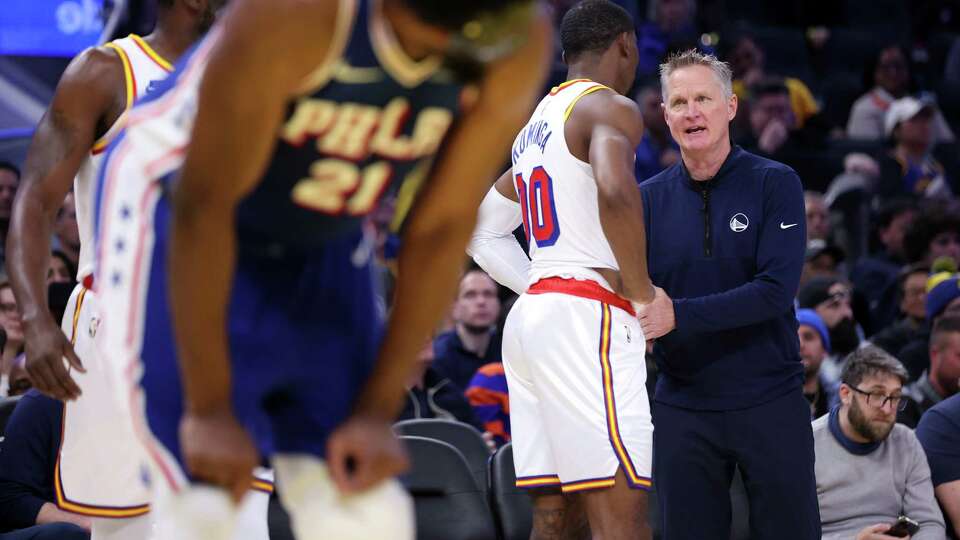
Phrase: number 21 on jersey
x=536 y=205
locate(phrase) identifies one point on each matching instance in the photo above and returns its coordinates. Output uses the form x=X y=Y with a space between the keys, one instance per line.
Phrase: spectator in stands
x=830 y=298
x=818 y=215
x=657 y=149
x=27 y=463
x=673 y=27
x=939 y=434
x=822 y=259
x=12 y=325
x=430 y=395
x=747 y=62
x=891 y=79
x=814 y=348
x=912 y=294
x=474 y=340
x=489 y=398
x=771 y=117
x=870 y=470
x=935 y=233
x=66 y=231
x=9 y=182
x=878 y=274
x=910 y=168
x=19 y=380
x=60 y=270
x=943 y=299
x=942 y=378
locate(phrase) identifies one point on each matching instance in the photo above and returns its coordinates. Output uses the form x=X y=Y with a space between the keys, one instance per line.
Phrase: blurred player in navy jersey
x=231 y=255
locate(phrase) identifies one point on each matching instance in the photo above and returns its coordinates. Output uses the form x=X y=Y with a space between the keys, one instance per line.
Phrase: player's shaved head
x=592 y=26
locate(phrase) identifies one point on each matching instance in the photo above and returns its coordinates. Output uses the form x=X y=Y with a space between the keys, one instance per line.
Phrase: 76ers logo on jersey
x=347 y=134
x=537 y=207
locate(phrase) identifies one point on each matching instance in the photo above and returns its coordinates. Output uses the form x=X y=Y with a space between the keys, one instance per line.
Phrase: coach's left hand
x=657 y=318
x=363 y=452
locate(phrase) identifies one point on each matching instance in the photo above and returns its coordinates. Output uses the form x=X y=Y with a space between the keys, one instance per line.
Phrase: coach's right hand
x=46 y=348
x=218 y=450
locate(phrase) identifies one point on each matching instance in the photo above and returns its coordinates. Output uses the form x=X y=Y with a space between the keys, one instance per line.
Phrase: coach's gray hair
x=871 y=360
x=721 y=70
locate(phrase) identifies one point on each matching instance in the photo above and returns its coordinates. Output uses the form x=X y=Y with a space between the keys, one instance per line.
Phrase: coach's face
x=697 y=110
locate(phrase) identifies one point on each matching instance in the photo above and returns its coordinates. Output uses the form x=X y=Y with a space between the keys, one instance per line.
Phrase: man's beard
x=843 y=337
x=863 y=427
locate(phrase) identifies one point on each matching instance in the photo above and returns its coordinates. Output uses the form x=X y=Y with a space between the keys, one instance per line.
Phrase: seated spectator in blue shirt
x=430 y=395
x=474 y=340
x=673 y=28
x=939 y=434
x=657 y=149
x=27 y=461
x=942 y=379
x=814 y=348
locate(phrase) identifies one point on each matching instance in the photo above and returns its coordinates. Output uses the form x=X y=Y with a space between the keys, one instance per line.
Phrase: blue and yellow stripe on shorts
x=610 y=404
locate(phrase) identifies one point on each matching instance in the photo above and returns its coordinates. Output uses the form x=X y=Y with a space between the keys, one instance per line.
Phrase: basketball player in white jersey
x=573 y=349
x=99 y=476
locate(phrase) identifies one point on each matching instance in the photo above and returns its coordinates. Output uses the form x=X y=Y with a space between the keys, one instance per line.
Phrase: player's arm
x=436 y=234
x=493 y=245
x=614 y=127
x=87 y=90
x=267 y=48
x=948 y=493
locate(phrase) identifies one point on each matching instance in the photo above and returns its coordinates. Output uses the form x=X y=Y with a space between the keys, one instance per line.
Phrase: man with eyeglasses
x=870 y=470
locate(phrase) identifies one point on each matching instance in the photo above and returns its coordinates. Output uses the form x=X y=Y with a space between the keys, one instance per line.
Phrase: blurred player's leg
x=618 y=512
x=318 y=511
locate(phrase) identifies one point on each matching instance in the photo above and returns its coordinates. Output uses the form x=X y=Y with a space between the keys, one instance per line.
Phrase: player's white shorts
x=101 y=464
x=573 y=353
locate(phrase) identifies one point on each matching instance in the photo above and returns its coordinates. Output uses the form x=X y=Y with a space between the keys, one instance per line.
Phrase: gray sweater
x=876 y=486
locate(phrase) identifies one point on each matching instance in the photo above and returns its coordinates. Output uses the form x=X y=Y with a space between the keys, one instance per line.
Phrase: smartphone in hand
x=903 y=528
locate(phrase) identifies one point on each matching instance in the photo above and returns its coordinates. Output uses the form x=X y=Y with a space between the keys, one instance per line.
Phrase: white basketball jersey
x=558 y=192
x=141 y=67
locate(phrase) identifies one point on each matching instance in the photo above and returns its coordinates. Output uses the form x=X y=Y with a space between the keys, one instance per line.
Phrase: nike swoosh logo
x=345 y=73
x=782 y=226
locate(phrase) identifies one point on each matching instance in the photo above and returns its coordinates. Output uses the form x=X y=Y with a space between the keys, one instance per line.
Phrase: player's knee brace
x=318 y=511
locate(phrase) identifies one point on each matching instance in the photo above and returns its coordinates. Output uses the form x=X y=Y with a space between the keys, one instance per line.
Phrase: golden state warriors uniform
x=303 y=329
x=98 y=470
x=573 y=350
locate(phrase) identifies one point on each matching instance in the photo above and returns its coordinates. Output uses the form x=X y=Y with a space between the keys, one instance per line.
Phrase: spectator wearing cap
x=877 y=275
x=814 y=348
x=910 y=168
x=941 y=379
x=891 y=81
x=943 y=298
x=822 y=259
x=934 y=234
x=912 y=297
x=939 y=434
x=830 y=298
x=870 y=470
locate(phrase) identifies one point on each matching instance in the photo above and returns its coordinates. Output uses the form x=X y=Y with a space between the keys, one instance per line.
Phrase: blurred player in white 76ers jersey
x=573 y=350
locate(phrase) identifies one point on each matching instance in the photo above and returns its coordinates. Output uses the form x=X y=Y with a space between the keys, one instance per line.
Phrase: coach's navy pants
x=695 y=453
